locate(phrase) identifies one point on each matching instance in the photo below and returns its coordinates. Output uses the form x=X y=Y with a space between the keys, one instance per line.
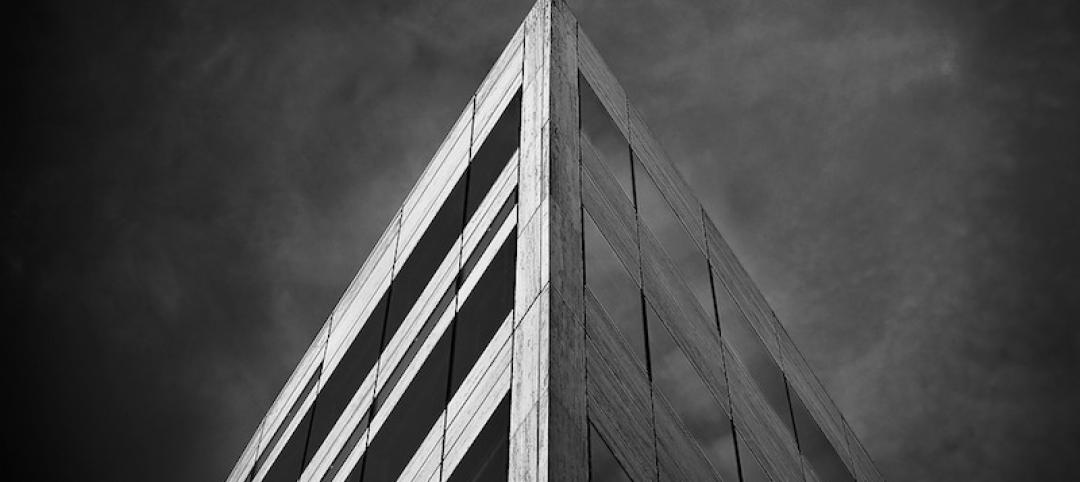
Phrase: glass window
x=496 y=297
x=430 y=251
x=411 y=419
x=688 y=259
x=494 y=153
x=609 y=141
x=350 y=445
x=751 y=467
x=290 y=461
x=488 y=458
x=613 y=287
x=346 y=378
x=489 y=234
x=816 y=447
x=424 y=399
x=764 y=371
x=414 y=347
x=412 y=278
x=447 y=225
x=603 y=466
x=483 y=311
x=691 y=399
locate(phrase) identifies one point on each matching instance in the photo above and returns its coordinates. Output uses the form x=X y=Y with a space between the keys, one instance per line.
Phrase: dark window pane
x=816 y=447
x=411 y=419
x=425 y=258
x=751 y=468
x=494 y=153
x=346 y=378
x=609 y=141
x=285 y=423
x=481 y=314
x=603 y=467
x=489 y=297
x=350 y=445
x=764 y=371
x=691 y=399
x=414 y=347
x=613 y=287
x=488 y=458
x=492 y=229
x=688 y=259
x=446 y=226
x=290 y=461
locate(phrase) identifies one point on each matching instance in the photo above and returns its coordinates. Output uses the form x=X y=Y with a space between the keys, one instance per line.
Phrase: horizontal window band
x=344 y=456
x=480 y=231
x=366 y=288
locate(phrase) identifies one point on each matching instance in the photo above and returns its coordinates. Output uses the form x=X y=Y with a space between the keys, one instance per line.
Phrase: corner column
x=548 y=425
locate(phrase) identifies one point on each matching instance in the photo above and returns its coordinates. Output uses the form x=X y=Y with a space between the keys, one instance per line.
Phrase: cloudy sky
x=194 y=184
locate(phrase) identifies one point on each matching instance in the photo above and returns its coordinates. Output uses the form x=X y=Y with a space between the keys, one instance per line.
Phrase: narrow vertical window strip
x=584 y=273
x=723 y=362
x=641 y=288
x=791 y=413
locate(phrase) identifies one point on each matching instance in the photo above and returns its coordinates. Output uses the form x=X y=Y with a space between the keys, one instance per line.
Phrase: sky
x=195 y=183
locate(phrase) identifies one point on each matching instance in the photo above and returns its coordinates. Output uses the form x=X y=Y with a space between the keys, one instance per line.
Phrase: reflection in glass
x=816 y=447
x=609 y=141
x=765 y=373
x=751 y=467
x=603 y=466
x=690 y=398
x=613 y=287
x=658 y=216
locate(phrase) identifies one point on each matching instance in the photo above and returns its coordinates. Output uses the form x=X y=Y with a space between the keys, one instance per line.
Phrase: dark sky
x=195 y=183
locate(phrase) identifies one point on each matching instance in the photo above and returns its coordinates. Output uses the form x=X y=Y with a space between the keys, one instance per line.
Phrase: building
x=552 y=303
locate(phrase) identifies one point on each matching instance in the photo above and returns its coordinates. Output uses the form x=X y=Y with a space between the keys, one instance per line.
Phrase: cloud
x=200 y=180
